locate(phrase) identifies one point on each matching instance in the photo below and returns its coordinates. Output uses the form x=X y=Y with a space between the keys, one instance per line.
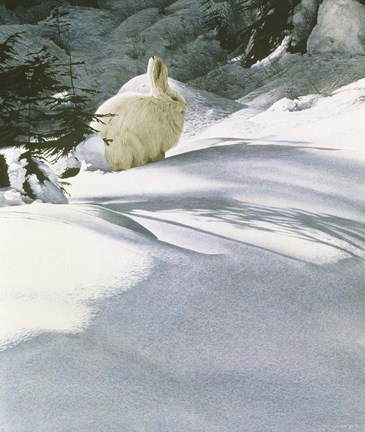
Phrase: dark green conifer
x=41 y=107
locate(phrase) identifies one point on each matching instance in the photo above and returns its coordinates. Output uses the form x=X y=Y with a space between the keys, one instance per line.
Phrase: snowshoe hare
x=143 y=127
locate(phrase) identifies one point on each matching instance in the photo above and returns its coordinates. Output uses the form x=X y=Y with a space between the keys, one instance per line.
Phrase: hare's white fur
x=143 y=127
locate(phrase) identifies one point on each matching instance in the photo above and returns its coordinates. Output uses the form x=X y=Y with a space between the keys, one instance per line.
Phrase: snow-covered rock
x=27 y=186
x=45 y=189
x=340 y=28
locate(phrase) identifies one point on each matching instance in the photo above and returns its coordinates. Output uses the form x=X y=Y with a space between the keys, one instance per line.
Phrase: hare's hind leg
x=118 y=155
x=159 y=157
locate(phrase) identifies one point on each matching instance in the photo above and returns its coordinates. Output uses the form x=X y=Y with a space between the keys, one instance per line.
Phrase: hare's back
x=126 y=104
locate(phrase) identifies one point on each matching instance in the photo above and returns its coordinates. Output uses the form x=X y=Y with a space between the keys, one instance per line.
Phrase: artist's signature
x=339 y=427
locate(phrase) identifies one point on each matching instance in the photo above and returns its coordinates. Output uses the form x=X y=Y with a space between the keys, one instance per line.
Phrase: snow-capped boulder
x=340 y=28
x=29 y=180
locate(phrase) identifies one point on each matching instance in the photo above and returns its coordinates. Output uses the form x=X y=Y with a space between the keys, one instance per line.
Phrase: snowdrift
x=218 y=290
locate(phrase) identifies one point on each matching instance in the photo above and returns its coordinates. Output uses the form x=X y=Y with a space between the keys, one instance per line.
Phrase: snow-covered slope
x=335 y=121
x=218 y=290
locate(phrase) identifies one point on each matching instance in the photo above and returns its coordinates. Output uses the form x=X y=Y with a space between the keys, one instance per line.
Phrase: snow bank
x=332 y=121
x=244 y=256
x=309 y=130
x=56 y=267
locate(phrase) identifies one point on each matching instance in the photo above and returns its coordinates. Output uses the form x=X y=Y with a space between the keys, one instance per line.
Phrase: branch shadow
x=344 y=235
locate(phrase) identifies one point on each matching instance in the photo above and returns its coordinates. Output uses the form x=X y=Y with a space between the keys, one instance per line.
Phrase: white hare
x=143 y=127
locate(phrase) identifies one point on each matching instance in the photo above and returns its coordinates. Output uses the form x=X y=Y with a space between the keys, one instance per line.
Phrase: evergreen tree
x=272 y=23
x=41 y=107
x=9 y=111
x=69 y=109
x=42 y=110
x=59 y=27
x=4 y=178
x=33 y=116
x=260 y=25
x=26 y=89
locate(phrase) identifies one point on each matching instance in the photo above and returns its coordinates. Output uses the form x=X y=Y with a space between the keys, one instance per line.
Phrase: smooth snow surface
x=218 y=290
x=64 y=265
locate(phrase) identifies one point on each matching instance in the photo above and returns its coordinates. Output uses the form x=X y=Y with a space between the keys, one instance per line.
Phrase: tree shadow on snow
x=345 y=235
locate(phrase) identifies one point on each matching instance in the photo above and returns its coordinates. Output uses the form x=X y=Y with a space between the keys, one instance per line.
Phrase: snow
x=47 y=191
x=274 y=56
x=76 y=266
x=91 y=151
x=334 y=121
x=220 y=289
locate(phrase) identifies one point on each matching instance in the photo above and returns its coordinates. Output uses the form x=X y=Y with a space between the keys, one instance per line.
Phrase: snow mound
x=333 y=121
x=63 y=268
x=29 y=183
x=92 y=152
x=299 y=104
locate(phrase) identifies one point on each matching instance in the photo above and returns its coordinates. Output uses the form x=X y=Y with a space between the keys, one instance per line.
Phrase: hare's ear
x=159 y=75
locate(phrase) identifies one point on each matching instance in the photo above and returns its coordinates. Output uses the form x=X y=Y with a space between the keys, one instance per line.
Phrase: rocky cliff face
x=116 y=38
